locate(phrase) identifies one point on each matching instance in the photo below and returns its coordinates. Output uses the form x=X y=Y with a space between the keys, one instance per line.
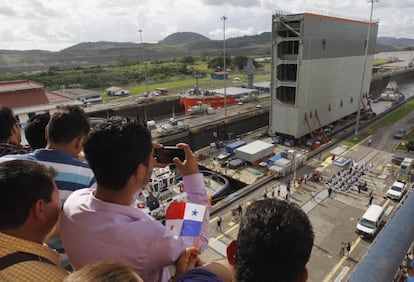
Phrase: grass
x=402 y=145
x=354 y=140
x=393 y=117
x=386 y=121
x=179 y=84
x=380 y=61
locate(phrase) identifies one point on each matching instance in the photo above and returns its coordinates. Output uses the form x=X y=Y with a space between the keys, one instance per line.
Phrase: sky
x=56 y=24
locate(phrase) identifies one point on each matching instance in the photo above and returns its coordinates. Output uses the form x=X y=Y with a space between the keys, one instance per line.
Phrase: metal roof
x=77 y=92
x=18 y=85
x=255 y=147
x=234 y=91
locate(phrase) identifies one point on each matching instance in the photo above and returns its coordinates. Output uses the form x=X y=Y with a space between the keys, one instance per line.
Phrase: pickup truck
x=397 y=190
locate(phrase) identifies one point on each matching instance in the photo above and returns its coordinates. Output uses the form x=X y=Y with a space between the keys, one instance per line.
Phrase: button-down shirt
x=92 y=230
x=7 y=148
x=72 y=175
x=31 y=270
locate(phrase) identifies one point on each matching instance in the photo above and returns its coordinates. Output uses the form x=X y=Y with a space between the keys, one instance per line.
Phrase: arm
x=195 y=189
x=222 y=268
x=188 y=260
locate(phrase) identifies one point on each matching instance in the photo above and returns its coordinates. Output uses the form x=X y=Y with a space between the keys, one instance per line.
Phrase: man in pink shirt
x=101 y=224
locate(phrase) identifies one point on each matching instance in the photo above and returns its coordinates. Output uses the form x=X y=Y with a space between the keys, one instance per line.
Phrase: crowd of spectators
x=83 y=208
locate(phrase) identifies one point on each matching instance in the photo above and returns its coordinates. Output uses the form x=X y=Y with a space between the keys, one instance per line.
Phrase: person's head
x=35 y=130
x=68 y=127
x=29 y=201
x=104 y=271
x=275 y=239
x=9 y=130
x=117 y=149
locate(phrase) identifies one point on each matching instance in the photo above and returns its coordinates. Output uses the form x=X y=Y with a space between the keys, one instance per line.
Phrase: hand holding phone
x=166 y=154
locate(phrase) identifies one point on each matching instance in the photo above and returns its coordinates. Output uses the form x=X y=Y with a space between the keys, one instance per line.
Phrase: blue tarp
x=233 y=146
x=271 y=160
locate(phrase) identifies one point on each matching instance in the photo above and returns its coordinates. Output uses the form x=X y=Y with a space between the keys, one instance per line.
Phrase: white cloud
x=57 y=24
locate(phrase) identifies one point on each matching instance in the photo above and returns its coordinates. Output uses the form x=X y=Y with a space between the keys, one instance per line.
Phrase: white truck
x=397 y=190
x=404 y=172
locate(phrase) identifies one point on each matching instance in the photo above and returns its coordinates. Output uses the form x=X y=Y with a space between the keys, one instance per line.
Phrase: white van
x=370 y=222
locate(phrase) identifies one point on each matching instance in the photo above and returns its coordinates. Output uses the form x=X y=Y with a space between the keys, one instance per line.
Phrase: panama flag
x=184 y=219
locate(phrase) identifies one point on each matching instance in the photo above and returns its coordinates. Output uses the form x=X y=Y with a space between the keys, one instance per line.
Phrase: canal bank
x=204 y=134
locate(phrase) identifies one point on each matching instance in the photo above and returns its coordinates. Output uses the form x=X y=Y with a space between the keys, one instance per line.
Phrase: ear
x=304 y=276
x=15 y=129
x=231 y=252
x=140 y=173
x=79 y=142
x=46 y=133
x=38 y=210
x=15 y=134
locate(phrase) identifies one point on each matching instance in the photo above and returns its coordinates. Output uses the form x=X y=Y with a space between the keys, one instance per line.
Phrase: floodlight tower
x=224 y=18
x=364 y=68
x=143 y=61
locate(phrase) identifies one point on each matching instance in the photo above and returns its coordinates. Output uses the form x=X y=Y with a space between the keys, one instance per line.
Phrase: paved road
x=334 y=219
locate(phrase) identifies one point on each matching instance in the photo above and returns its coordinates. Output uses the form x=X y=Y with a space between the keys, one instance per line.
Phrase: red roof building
x=26 y=98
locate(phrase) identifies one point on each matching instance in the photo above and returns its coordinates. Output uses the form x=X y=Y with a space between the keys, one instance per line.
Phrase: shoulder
x=199 y=274
x=79 y=195
x=11 y=157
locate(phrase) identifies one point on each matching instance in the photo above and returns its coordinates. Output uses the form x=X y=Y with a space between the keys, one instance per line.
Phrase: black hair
x=115 y=148
x=7 y=120
x=22 y=184
x=35 y=130
x=67 y=123
x=274 y=242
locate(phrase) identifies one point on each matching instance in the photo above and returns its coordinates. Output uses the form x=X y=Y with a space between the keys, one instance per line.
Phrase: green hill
x=176 y=45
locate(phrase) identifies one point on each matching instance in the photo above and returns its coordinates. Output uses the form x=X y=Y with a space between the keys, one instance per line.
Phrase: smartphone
x=166 y=154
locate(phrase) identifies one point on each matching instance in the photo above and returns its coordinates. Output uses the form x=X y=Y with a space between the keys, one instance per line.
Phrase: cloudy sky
x=57 y=24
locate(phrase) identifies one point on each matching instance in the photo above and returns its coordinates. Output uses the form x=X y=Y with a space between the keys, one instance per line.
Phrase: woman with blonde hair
x=104 y=271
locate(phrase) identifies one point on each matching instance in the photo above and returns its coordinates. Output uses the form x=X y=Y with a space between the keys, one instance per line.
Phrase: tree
x=217 y=63
x=124 y=61
x=188 y=60
x=410 y=146
x=239 y=62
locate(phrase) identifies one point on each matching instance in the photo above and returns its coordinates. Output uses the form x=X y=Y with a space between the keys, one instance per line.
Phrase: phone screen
x=168 y=153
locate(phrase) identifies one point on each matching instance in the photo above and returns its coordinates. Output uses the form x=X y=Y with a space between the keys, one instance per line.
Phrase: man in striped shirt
x=66 y=132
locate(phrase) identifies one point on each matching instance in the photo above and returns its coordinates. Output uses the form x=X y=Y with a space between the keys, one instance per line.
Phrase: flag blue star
x=195 y=212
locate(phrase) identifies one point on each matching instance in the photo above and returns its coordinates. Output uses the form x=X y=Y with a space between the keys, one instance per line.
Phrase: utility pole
x=364 y=68
x=224 y=18
x=143 y=61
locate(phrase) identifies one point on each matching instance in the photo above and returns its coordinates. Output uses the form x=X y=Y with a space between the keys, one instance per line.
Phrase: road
x=334 y=219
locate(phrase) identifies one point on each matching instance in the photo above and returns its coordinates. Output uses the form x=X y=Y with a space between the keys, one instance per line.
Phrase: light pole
x=294 y=168
x=197 y=88
x=364 y=68
x=224 y=18
x=143 y=61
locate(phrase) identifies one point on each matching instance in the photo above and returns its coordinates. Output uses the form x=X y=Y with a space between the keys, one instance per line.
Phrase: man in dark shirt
x=10 y=136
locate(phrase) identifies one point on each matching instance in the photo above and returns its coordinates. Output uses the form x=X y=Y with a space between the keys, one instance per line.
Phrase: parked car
x=397 y=159
x=396 y=191
x=289 y=142
x=277 y=140
x=400 y=133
